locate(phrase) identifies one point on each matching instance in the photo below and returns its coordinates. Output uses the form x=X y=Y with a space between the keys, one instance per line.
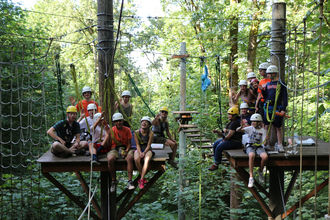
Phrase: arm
x=151 y=135
x=156 y=120
x=51 y=132
x=138 y=148
x=169 y=134
x=229 y=135
x=220 y=133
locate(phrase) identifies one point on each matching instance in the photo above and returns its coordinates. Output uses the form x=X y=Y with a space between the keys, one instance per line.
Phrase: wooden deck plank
x=185 y=112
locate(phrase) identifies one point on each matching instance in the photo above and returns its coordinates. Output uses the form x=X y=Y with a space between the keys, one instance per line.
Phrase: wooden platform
x=277 y=164
x=113 y=206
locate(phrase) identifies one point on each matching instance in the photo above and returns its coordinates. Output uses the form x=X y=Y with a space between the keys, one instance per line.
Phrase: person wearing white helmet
x=250 y=76
x=125 y=107
x=260 y=100
x=245 y=94
x=118 y=139
x=86 y=122
x=143 y=139
x=255 y=145
x=66 y=134
x=244 y=114
x=160 y=125
x=82 y=105
x=281 y=99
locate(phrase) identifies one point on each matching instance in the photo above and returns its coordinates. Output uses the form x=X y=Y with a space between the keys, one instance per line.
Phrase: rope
x=59 y=83
x=218 y=69
x=88 y=204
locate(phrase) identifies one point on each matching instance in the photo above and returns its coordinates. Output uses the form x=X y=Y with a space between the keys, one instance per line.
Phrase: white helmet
x=126 y=93
x=264 y=66
x=86 y=89
x=251 y=75
x=97 y=116
x=242 y=83
x=244 y=105
x=146 y=118
x=272 y=69
x=91 y=106
x=256 y=117
x=117 y=116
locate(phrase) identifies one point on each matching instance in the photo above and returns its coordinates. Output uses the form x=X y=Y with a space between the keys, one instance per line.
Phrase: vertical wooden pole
x=278 y=37
x=105 y=195
x=182 y=136
x=105 y=49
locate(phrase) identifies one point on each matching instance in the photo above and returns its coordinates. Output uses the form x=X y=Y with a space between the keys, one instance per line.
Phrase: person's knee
x=251 y=155
x=264 y=156
x=129 y=158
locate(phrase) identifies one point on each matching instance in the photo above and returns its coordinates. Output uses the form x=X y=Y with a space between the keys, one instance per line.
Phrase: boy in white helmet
x=86 y=123
x=256 y=137
x=119 y=140
x=260 y=99
x=269 y=94
x=64 y=132
x=125 y=107
x=244 y=115
x=143 y=139
x=82 y=105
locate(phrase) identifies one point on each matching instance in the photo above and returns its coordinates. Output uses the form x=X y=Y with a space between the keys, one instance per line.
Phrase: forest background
x=39 y=45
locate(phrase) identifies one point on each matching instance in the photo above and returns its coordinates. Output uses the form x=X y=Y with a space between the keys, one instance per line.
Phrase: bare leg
x=83 y=145
x=137 y=160
x=279 y=135
x=251 y=163
x=267 y=135
x=173 y=145
x=92 y=149
x=60 y=150
x=147 y=159
x=264 y=158
x=111 y=166
x=129 y=160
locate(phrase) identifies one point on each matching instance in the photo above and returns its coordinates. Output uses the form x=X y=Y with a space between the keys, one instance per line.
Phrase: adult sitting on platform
x=231 y=139
x=143 y=139
x=63 y=133
x=120 y=137
x=159 y=125
x=125 y=108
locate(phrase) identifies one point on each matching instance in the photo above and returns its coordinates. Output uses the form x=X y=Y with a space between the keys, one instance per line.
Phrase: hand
x=62 y=142
x=142 y=155
x=72 y=100
x=123 y=153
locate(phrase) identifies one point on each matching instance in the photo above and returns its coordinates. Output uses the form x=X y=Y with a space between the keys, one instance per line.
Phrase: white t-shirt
x=255 y=136
x=83 y=124
x=97 y=133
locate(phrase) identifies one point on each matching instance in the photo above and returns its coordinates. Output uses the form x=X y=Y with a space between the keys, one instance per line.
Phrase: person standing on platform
x=82 y=105
x=125 y=107
x=245 y=94
x=119 y=138
x=276 y=100
x=159 y=126
x=256 y=136
x=231 y=139
x=260 y=99
x=63 y=132
x=143 y=139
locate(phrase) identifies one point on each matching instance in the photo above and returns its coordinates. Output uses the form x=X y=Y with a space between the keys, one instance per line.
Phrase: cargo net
x=25 y=81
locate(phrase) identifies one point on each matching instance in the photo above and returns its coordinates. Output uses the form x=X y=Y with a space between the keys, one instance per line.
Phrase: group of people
x=92 y=135
x=263 y=103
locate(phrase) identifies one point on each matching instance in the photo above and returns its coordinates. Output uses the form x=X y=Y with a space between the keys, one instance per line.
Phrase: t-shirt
x=65 y=131
x=160 y=128
x=143 y=140
x=83 y=105
x=261 y=83
x=255 y=136
x=86 y=124
x=270 y=93
x=96 y=134
x=233 y=125
x=122 y=136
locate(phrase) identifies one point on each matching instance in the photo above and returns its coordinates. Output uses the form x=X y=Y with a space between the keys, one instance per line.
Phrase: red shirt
x=122 y=136
x=83 y=105
x=262 y=82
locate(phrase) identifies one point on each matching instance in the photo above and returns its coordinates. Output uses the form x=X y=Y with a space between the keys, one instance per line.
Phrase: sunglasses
x=164 y=112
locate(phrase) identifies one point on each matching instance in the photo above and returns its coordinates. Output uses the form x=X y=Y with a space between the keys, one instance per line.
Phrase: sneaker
x=280 y=148
x=130 y=185
x=173 y=164
x=145 y=181
x=95 y=160
x=213 y=167
x=251 y=181
x=268 y=147
x=141 y=183
x=113 y=186
x=261 y=176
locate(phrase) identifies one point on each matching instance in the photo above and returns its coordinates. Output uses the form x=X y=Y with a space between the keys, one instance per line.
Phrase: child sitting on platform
x=143 y=139
x=256 y=136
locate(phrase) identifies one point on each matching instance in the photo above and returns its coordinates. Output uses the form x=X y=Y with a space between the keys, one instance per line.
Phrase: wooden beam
x=175 y=56
x=122 y=212
x=67 y=192
x=305 y=198
x=290 y=186
x=105 y=178
x=86 y=190
x=125 y=191
x=245 y=177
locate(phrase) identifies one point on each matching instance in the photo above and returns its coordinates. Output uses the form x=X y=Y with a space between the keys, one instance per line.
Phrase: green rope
x=278 y=90
x=139 y=93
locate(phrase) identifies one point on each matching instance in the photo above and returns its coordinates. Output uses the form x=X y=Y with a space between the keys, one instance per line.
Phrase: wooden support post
x=182 y=135
x=86 y=190
x=74 y=198
x=276 y=191
x=290 y=186
x=105 y=179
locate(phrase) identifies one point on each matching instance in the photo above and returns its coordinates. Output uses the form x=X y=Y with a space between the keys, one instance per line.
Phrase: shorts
x=103 y=151
x=277 y=120
x=257 y=150
x=115 y=152
x=158 y=139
